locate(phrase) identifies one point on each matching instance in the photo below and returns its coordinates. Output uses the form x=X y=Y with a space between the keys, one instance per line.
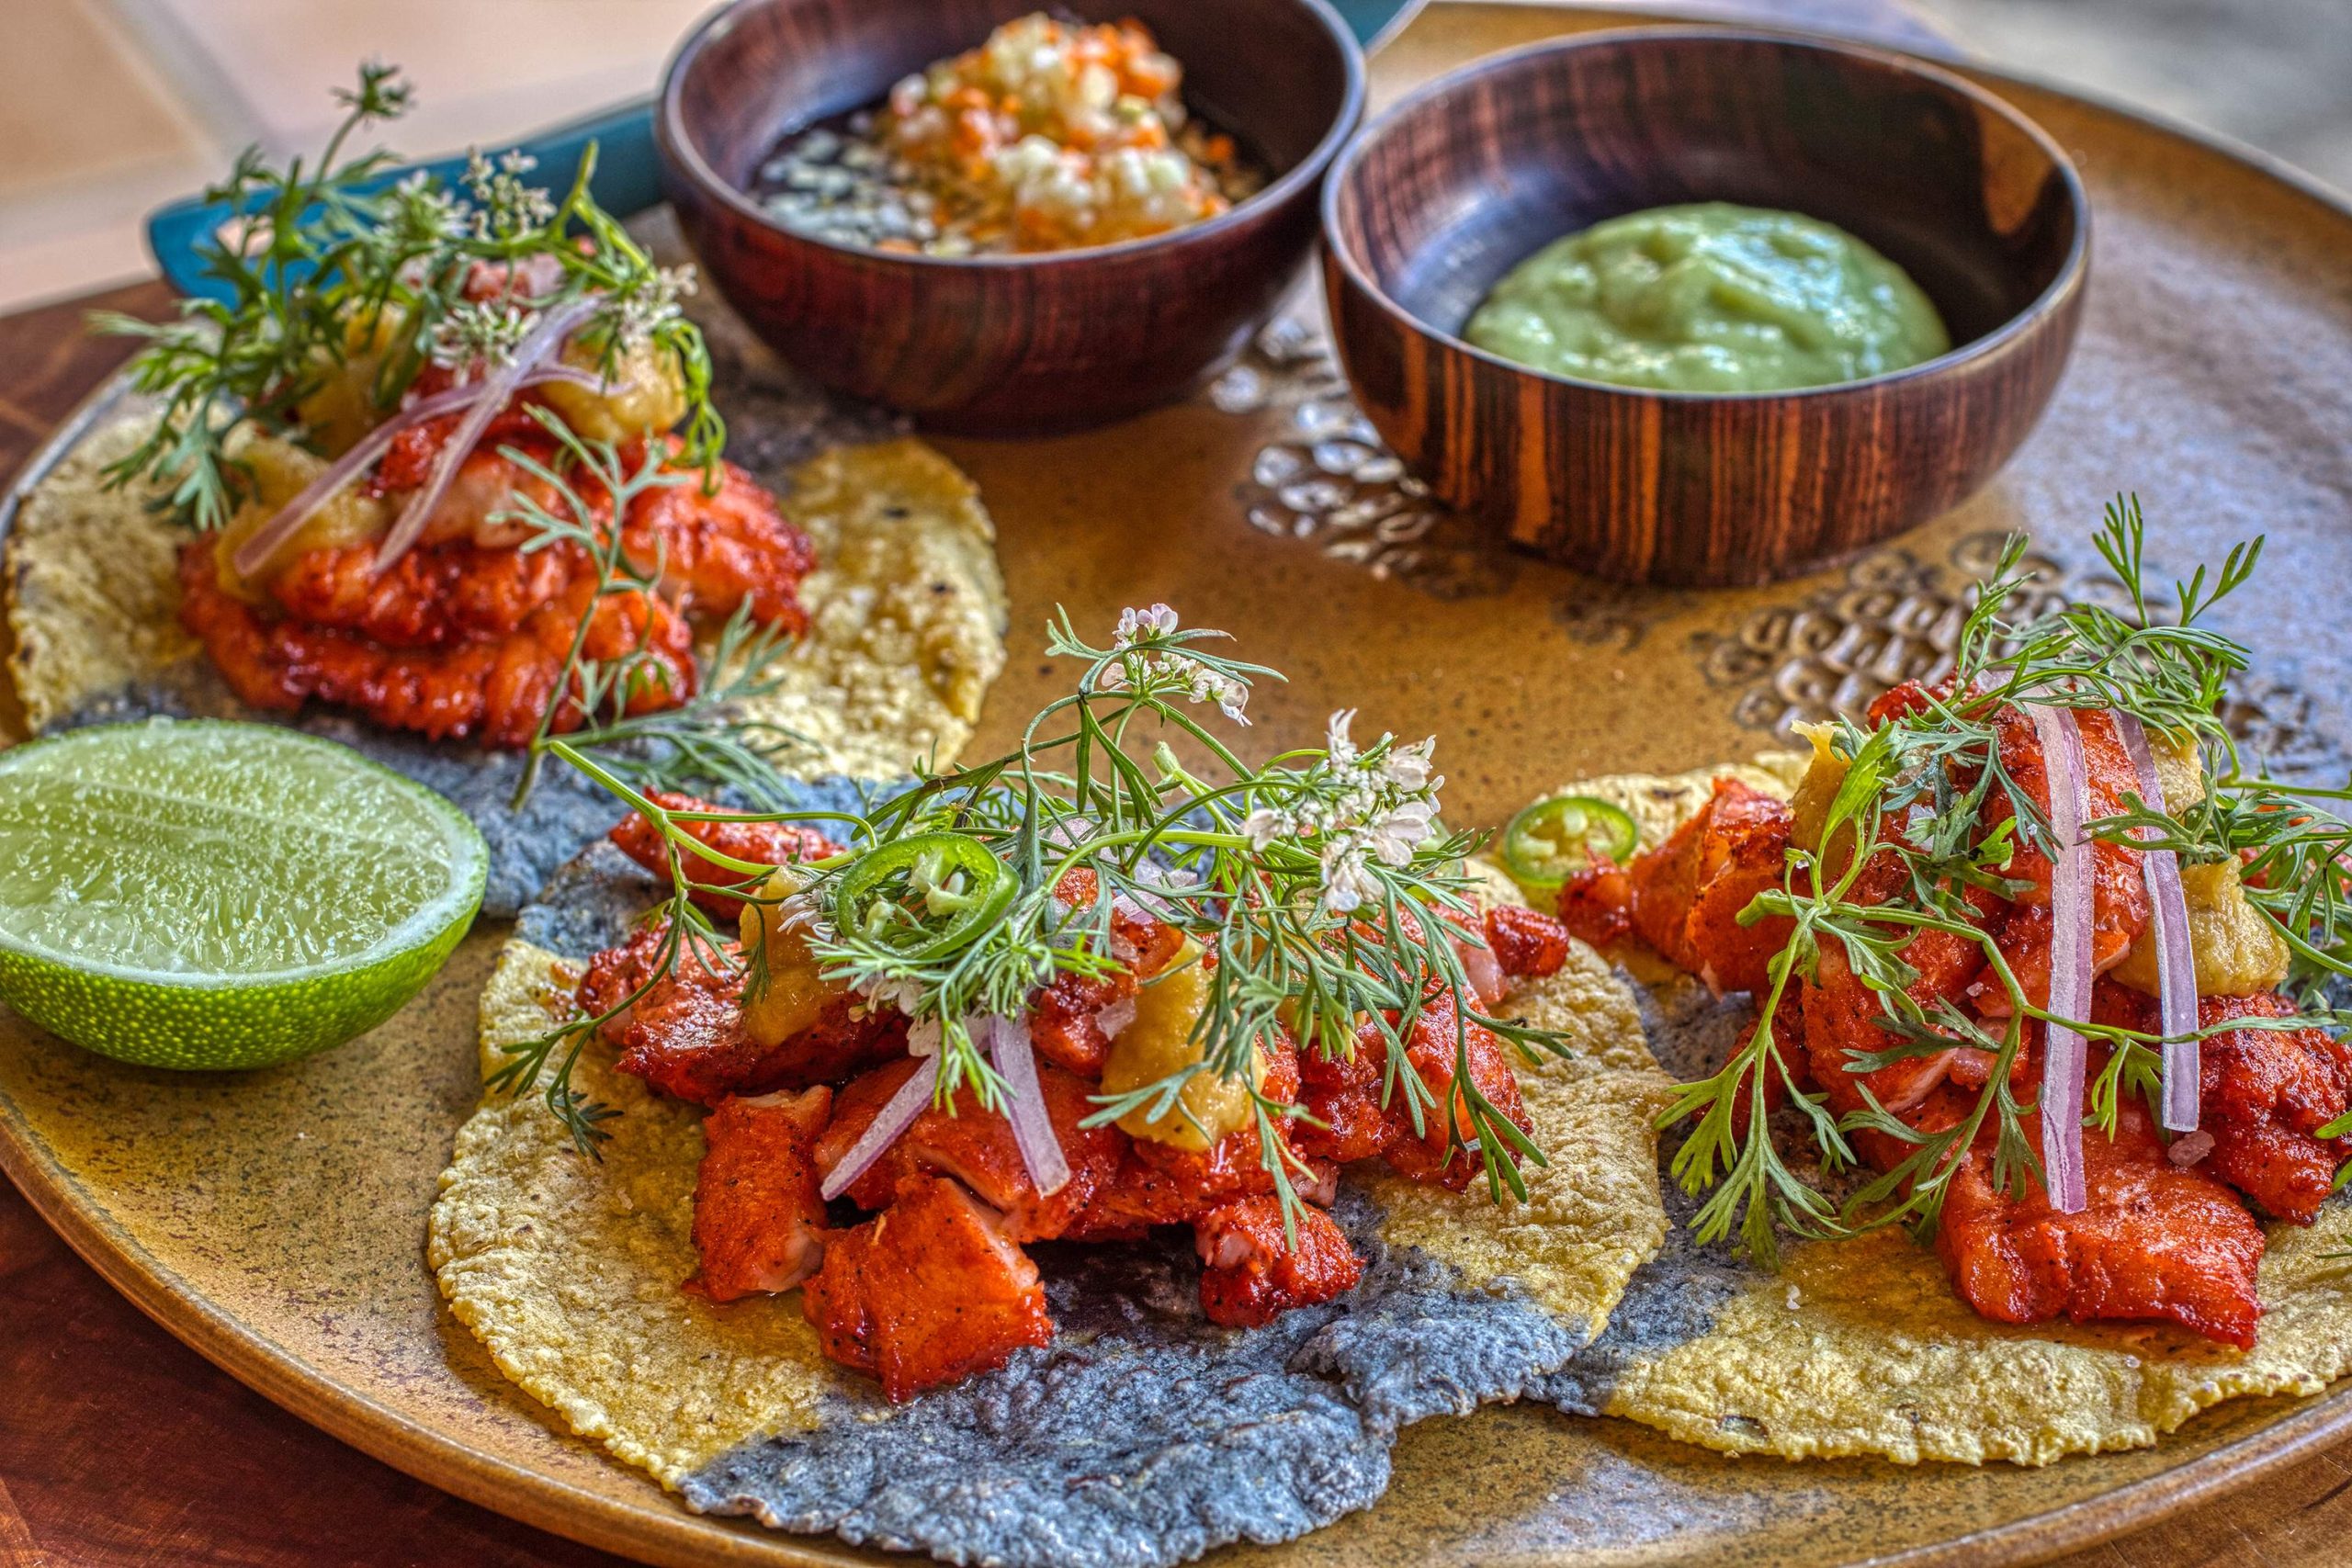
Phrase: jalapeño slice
x=1552 y=839
x=927 y=895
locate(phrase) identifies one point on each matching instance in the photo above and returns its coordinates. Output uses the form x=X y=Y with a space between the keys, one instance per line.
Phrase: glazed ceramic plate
x=275 y=1221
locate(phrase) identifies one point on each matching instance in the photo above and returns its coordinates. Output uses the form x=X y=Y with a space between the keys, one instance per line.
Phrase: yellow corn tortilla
x=568 y=1269
x=93 y=584
x=907 y=607
x=1861 y=1347
x=1592 y=1214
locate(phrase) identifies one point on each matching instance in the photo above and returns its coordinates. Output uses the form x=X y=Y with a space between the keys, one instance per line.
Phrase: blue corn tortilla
x=1143 y=1435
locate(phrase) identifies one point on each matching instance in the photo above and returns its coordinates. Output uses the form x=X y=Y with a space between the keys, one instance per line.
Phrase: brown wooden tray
x=275 y=1221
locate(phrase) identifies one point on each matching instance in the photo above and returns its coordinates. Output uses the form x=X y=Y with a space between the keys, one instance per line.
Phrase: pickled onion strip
x=2064 y=1054
x=2175 y=956
x=253 y=554
x=1033 y=1129
x=496 y=387
x=884 y=1130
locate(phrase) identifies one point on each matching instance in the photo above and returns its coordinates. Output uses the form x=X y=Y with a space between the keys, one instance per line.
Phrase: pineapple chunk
x=1159 y=1042
x=793 y=996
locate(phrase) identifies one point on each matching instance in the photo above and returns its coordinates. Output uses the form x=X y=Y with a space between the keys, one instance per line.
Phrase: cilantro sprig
x=1320 y=878
x=1914 y=799
x=326 y=257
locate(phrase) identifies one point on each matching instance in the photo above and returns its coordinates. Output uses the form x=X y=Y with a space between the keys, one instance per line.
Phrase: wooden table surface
x=120 y=1447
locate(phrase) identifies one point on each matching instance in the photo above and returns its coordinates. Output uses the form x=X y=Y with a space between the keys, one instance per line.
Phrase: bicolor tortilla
x=1863 y=1346
x=1144 y=1435
x=907 y=619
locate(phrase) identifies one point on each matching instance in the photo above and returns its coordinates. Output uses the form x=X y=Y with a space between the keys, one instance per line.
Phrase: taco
x=444 y=478
x=2050 y=976
x=1224 y=1192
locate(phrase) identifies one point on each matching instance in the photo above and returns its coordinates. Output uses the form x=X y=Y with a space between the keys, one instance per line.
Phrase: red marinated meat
x=763 y=843
x=759 y=1223
x=1252 y=1272
x=926 y=1292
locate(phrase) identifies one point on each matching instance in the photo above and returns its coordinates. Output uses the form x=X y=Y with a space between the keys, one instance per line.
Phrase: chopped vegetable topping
x=1050 y=136
x=1941 y=924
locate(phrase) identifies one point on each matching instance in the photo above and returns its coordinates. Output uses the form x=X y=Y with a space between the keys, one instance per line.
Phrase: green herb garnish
x=326 y=256
x=1913 y=796
x=1321 y=878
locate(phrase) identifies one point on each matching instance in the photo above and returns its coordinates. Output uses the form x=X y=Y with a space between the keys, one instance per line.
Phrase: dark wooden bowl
x=1002 y=345
x=1436 y=201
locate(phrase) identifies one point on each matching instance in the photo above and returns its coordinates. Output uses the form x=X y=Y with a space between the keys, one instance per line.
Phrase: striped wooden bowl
x=1436 y=201
x=1001 y=345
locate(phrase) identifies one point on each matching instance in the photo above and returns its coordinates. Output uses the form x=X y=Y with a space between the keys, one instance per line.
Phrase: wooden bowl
x=1013 y=343
x=1435 y=202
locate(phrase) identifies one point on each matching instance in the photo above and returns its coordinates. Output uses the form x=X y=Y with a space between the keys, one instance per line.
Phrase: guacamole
x=1710 y=297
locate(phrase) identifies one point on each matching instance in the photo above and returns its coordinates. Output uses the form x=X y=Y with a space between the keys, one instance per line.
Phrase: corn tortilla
x=1861 y=1347
x=1143 y=1435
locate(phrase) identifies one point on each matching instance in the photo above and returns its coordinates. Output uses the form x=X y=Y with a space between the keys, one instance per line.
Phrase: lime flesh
x=193 y=894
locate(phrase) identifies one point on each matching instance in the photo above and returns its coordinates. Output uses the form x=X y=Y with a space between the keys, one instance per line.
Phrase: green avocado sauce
x=1710 y=297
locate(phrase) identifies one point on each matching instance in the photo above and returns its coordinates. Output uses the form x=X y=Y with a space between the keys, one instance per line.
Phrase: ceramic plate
x=275 y=1221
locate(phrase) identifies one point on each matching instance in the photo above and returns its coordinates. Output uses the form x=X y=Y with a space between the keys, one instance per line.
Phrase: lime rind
x=201 y=1027
x=204 y=894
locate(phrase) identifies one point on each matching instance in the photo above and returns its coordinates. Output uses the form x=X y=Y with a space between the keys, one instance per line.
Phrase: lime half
x=190 y=894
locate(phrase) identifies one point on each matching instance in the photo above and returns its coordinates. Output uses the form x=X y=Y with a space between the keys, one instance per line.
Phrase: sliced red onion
x=884 y=1130
x=1143 y=906
x=500 y=385
x=255 y=553
x=1033 y=1129
x=2071 y=915
x=2175 y=956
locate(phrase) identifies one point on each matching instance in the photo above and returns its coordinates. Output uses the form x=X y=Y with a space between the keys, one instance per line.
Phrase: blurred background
x=108 y=108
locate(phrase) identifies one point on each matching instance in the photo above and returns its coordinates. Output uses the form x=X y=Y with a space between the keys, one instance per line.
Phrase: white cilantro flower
x=1149 y=624
x=506 y=206
x=1265 y=825
x=1405 y=827
x=479 y=333
x=652 y=301
x=1346 y=882
x=1343 y=750
x=1409 y=766
x=1229 y=694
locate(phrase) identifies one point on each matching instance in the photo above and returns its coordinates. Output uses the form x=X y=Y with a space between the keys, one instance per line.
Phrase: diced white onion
x=2176 y=955
x=1113 y=1019
x=2071 y=919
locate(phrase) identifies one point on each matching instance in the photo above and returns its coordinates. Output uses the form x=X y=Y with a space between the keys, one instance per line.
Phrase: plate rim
x=676 y=1538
